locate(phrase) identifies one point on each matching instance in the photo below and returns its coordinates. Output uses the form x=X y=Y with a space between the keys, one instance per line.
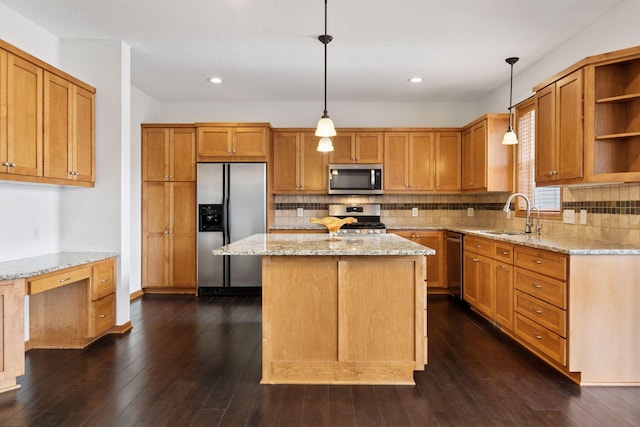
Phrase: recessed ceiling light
x=415 y=79
x=214 y=80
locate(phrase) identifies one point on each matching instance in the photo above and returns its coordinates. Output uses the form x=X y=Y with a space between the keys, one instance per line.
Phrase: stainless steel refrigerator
x=231 y=206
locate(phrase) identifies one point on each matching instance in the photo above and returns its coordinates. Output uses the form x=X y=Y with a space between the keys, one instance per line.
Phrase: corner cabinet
x=487 y=165
x=233 y=142
x=297 y=167
x=47 y=122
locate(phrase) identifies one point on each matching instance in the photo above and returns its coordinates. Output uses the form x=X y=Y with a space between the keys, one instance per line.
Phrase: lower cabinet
x=73 y=307
x=11 y=333
x=435 y=263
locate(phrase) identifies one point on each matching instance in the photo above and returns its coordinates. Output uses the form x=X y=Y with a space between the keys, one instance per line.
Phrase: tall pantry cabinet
x=169 y=209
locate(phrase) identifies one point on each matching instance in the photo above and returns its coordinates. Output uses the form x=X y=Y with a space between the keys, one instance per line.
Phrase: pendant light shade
x=325 y=128
x=510 y=137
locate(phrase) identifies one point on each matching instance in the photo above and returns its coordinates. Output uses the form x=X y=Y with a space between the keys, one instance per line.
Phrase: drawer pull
x=537 y=261
x=475 y=259
x=535 y=285
x=478 y=246
x=502 y=266
x=64 y=280
x=536 y=311
x=504 y=253
x=104 y=280
x=536 y=336
x=102 y=316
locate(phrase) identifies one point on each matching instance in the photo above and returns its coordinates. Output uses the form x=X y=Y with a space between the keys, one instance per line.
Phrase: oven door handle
x=373 y=179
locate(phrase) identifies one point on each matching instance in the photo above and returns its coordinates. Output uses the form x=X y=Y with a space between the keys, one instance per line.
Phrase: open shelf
x=624 y=135
x=619 y=99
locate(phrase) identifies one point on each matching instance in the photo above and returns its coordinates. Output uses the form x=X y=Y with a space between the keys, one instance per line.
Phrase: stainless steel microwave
x=358 y=178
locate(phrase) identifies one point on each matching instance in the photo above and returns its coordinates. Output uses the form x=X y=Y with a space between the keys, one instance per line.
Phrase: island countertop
x=319 y=244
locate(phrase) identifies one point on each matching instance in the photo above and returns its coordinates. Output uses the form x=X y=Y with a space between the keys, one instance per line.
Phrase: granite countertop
x=318 y=244
x=551 y=242
x=35 y=266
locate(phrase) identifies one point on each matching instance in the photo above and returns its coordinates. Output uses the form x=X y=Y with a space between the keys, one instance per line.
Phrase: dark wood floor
x=196 y=362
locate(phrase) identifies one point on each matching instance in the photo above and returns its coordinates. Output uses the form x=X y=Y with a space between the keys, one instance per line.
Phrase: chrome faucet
x=527 y=225
x=538 y=225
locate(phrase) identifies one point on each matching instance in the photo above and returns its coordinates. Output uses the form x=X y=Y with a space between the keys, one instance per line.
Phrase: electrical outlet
x=469 y=211
x=300 y=212
x=414 y=211
x=569 y=216
x=583 y=216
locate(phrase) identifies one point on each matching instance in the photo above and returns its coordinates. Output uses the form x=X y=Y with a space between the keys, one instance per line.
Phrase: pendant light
x=510 y=137
x=325 y=128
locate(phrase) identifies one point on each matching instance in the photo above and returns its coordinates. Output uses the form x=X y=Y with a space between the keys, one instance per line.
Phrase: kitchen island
x=347 y=311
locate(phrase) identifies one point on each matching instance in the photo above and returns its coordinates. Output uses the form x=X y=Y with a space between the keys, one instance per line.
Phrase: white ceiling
x=267 y=50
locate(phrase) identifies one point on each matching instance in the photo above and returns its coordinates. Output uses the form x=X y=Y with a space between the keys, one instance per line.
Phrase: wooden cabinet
x=447 y=162
x=559 y=142
x=21 y=141
x=612 y=148
x=11 y=333
x=168 y=154
x=69 y=134
x=232 y=142
x=487 y=165
x=357 y=147
x=72 y=307
x=409 y=161
x=169 y=237
x=435 y=263
x=297 y=166
x=503 y=285
x=541 y=302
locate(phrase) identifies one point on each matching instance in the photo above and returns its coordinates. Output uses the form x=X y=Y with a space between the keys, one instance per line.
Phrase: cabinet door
x=435 y=263
x=24 y=117
x=250 y=142
x=286 y=162
x=484 y=272
x=3 y=109
x=11 y=332
x=545 y=134
x=314 y=168
x=155 y=154
x=58 y=127
x=83 y=135
x=215 y=142
x=503 y=278
x=396 y=168
x=569 y=143
x=182 y=251
x=155 y=229
x=343 y=148
x=480 y=156
x=467 y=159
x=182 y=154
x=421 y=161
x=447 y=161
x=470 y=278
x=369 y=147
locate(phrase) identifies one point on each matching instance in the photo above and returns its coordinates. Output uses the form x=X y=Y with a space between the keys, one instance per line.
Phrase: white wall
x=616 y=30
x=92 y=218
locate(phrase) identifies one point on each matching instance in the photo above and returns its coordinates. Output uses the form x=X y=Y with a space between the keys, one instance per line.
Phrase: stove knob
x=371 y=231
x=357 y=231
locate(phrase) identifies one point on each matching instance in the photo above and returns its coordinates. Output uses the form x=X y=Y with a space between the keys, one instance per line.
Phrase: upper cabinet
x=296 y=164
x=233 y=142
x=447 y=161
x=409 y=161
x=487 y=165
x=169 y=153
x=68 y=130
x=559 y=125
x=357 y=147
x=47 y=122
x=21 y=141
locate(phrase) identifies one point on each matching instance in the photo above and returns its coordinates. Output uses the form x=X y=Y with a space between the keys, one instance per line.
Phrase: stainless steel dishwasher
x=454 y=264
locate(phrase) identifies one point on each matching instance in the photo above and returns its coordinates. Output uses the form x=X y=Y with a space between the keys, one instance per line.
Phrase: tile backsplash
x=613 y=211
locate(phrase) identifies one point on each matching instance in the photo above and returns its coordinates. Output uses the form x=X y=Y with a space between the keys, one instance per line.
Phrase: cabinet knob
x=505 y=253
x=104 y=280
x=102 y=316
x=537 y=261
x=475 y=259
x=12 y=165
x=536 y=311
x=536 y=336
x=535 y=285
x=502 y=266
x=64 y=280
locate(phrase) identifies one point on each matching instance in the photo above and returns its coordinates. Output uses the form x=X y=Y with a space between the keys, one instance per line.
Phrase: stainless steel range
x=368 y=218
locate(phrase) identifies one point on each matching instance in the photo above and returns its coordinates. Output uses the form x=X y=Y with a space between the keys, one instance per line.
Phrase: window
x=547 y=199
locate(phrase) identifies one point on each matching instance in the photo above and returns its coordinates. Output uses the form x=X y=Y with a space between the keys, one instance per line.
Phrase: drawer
x=102 y=279
x=545 y=288
x=478 y=245
x=541 y=339
x=103 y=315
x=61 y=278
x=503 y=252
x=544 y=262
x=547 y=315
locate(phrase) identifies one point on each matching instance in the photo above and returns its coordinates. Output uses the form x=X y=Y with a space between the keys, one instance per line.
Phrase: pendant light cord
x=325 y=39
